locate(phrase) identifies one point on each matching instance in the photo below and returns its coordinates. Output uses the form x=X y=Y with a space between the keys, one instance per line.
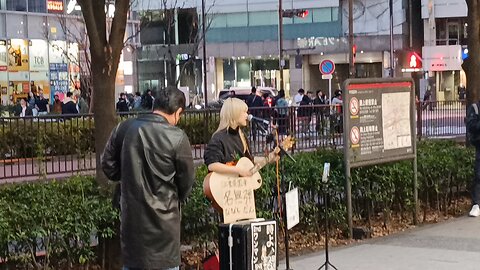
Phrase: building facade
x=43 y=46
x=242 y=45
x=445 y=47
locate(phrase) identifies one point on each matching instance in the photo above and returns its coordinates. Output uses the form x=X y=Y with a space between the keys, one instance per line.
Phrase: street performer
x=228 y=143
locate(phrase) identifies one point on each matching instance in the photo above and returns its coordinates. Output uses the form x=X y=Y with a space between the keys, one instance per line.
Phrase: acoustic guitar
x=233 y=195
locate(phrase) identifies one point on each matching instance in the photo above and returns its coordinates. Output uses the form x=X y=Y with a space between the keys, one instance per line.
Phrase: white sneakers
x=475 y=212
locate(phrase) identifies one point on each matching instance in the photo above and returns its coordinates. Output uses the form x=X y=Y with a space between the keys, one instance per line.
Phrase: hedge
x=57 y=219
x=25 y=138
x=68 y=213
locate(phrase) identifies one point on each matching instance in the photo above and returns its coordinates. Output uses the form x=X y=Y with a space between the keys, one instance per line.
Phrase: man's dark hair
x=137 y=94
x=301 y=91
x=169 y=100
x=69 y=94
x=281 y=94
x=254 y=90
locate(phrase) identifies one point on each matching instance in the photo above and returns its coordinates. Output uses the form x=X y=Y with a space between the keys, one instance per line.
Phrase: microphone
x=257 y=119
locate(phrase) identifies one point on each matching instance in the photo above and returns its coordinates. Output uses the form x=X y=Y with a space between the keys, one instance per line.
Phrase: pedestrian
x=152 y=159
x=23 y=110
x=472 y=124
x=147 y=100
x=299 y=97
x=41 y=104
x=281 y=108
x=57 y=104
x=69 y=106
x=137 y=102
x=122 y=105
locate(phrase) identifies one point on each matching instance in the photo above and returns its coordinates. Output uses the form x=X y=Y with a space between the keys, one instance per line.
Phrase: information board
x=379 y=121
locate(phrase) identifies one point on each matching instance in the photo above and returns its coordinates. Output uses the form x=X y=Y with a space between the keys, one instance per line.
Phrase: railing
x=58 y=145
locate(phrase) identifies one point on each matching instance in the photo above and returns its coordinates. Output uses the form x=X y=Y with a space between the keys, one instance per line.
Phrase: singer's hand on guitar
x=274 y=156
x=244 y=172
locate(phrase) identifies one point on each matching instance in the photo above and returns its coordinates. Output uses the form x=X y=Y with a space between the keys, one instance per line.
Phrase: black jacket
x=153 y=160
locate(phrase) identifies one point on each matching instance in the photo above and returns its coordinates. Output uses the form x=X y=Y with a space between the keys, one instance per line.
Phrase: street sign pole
x=330 y=89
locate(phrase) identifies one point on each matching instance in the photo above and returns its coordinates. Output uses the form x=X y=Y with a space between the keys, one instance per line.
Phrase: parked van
x=243 y=93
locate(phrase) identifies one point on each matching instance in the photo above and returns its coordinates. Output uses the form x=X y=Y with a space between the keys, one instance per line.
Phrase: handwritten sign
x=264 y=245
x=238 y=199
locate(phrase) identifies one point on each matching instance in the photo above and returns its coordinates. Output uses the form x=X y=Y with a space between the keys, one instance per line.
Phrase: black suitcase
x=254 y=245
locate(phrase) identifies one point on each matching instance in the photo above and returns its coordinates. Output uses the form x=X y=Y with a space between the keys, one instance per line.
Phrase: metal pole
x=392 y=66
x=205 y=90
x=350 y=40
x=280 y=42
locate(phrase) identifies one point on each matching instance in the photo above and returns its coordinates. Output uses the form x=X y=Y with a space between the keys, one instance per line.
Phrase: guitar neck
x=258 y=166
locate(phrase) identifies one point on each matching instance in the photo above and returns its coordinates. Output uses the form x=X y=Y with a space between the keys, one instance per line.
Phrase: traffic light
x=302 y=13
x=290 y=13
x=414 y=60
x=354 y=52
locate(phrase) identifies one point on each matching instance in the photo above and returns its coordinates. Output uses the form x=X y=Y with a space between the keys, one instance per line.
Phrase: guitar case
x=248 y=245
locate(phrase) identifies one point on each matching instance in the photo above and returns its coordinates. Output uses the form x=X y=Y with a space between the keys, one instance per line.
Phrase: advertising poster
x=3 y=55
x=18 y=55
x=5 y=95
x=58 y=79
x=38 y=55
x=58 y=51
x=73 y=66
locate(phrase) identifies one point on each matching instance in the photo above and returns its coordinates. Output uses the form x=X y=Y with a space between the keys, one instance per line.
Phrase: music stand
x=326 y=199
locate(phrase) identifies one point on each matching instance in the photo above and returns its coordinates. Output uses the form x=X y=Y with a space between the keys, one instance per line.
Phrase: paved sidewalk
x=452 y=245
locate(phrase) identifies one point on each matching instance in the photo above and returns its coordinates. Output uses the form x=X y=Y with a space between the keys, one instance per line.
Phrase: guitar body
x=233 y=195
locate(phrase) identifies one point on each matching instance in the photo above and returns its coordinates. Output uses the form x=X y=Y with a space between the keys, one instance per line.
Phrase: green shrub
x=445 y=170
x=59 y=218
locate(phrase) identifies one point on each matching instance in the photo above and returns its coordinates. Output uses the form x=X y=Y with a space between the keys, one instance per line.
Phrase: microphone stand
x=282 y=206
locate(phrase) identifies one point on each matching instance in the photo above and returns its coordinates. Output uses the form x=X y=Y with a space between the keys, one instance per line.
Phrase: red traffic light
x=414 y=60
x=303 y=13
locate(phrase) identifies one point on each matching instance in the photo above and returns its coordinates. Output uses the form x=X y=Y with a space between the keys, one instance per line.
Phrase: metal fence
x=59 y=145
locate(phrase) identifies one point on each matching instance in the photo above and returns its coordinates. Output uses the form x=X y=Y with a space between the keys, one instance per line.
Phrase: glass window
x=3 y=4
x=322 y=15
x=237 y=19
x=37 y=27
x=16 y=26
x=262 y=18
x=38 y=5
x=17 y=5
x=335 y=14
x=218 y=21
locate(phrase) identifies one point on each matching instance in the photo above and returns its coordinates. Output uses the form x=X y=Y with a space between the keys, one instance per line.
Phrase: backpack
x=471 y=124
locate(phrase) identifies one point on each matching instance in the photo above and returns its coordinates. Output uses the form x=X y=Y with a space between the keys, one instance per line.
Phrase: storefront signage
x=38 y=55
x=442 y=58
x=379 y=121
x=321 y=42
x=55 y=6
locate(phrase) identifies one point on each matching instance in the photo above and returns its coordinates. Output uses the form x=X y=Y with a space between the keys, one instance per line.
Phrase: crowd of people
x=310 y=108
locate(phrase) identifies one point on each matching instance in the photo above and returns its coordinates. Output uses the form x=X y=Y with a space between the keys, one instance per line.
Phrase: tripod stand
x=326 y=199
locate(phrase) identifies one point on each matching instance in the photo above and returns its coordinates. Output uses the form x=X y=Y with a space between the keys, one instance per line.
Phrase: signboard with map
x=379 y=119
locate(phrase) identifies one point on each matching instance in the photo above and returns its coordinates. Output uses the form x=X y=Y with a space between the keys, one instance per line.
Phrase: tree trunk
x=472 y=64
x=104 y=111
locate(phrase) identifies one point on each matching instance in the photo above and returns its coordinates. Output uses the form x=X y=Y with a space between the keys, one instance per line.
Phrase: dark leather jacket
x=153 y=161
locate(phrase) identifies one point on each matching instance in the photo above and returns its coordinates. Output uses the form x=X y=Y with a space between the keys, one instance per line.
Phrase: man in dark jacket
x=152 y=159
x=122 y=105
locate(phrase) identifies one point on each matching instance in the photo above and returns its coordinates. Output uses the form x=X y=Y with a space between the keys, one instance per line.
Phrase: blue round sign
x=327 y=67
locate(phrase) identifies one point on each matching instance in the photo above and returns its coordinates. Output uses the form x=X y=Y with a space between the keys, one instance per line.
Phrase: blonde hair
x=231 y=110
